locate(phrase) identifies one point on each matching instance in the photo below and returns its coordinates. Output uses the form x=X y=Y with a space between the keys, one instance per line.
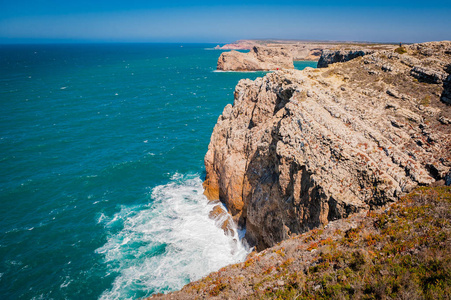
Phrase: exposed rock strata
x=301 y=148
x=258 y=59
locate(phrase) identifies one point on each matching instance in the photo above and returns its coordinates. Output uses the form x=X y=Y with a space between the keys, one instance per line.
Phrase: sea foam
x=168 y=243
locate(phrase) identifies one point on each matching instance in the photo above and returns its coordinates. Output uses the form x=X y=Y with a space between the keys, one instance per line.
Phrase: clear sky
x=223 y=21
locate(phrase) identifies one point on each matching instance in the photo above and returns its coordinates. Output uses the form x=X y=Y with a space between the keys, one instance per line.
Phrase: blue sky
x=222 y=21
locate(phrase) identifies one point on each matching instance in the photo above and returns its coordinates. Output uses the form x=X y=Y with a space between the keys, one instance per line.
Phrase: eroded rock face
x=259 y=58
x=301 y=148
x=333 y=56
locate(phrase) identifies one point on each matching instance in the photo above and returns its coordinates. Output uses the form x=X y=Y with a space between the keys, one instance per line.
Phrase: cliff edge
x=299 y=149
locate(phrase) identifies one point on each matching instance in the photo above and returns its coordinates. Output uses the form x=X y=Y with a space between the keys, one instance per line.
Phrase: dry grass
x=404 y=253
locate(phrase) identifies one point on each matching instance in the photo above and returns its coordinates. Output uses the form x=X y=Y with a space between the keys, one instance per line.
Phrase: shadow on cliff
x=282 y=198
x=446 y=95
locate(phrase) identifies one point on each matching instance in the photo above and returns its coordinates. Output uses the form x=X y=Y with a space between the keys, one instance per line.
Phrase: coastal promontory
x=309 y=163
x=260 y=58
x=301 y=148
x=277 y=54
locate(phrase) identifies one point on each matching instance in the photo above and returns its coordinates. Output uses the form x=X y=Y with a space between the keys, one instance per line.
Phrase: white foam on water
x=66 y=282
x=168 y=243
x=101 y=217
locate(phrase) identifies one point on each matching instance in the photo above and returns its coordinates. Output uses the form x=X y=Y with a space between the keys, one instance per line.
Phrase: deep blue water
x=101 y=164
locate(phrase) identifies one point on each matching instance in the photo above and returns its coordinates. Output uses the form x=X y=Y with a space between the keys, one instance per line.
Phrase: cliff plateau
x=260 y=58
x=299 y=149
x=239 y=45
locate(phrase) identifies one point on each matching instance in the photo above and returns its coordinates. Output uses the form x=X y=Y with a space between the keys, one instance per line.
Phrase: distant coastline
x=303 y=50
x=266 y=55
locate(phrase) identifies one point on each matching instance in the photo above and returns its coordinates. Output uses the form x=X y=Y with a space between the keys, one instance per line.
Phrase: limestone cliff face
x=301 y=148
x=333 y=56
x=259 y=58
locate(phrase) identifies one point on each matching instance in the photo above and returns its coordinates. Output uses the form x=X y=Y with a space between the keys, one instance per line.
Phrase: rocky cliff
x=333 y=56
x=239 y=45
x=299 y=149
x=260 y=58
x=305 y=50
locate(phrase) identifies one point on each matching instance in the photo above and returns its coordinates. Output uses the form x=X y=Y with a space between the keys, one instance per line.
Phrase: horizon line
x=31 y=41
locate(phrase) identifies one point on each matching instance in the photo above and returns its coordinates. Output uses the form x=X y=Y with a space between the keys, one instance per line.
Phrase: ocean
x=101 y=169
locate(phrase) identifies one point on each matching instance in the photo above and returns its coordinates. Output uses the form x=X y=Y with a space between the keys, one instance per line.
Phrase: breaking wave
x=168 y=243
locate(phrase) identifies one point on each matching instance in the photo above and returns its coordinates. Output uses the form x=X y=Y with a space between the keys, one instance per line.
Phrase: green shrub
x=400 y=50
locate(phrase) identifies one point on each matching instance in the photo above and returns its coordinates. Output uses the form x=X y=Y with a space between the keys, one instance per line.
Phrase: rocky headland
x=312 y=51
x=239 y=45
x=301 y=148
x=259 y=58
x=331 y=148
x=274 y=55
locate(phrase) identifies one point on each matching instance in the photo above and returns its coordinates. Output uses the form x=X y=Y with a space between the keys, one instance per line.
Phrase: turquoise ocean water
x=101 y=169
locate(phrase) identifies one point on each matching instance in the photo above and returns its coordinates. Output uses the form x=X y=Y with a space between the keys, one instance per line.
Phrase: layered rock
x=259 y=58
x=301 y=148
